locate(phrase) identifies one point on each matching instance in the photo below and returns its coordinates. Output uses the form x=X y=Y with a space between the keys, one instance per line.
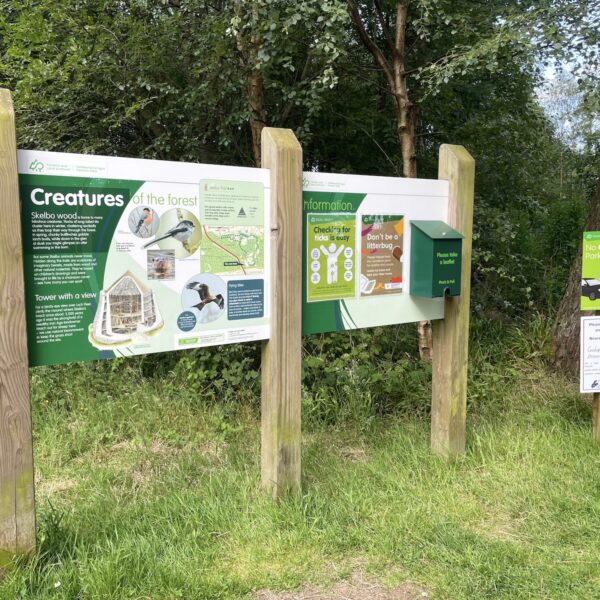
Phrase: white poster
x=590 y=355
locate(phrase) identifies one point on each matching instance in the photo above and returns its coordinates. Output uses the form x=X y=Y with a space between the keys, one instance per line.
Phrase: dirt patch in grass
x=357 y=588
x=48 y=488
x=354 y=454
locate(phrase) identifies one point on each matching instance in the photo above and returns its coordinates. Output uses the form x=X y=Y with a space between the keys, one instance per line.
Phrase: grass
x=145 y=491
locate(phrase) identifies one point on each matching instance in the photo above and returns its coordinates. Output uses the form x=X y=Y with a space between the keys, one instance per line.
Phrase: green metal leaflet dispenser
x=435 y=259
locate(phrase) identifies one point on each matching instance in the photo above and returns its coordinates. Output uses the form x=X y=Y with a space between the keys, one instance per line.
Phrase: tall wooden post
x=17 y=509
x=281 y=354
x=451 y=334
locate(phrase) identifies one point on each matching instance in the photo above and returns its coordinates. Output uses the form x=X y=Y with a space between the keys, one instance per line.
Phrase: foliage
x=294 y=46
x=161 y=80
x=167 y=80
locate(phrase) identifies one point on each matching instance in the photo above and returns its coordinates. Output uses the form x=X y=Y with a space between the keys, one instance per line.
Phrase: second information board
x=356 y=250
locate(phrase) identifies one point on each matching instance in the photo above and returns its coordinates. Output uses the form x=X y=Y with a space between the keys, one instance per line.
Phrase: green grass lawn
x=146 y=491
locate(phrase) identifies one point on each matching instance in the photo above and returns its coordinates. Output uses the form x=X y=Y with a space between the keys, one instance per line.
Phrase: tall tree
x=392 y=63
x=287 y=54
x=431 y=42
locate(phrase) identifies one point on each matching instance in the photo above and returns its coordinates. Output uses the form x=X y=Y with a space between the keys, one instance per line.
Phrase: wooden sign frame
x=281 y=354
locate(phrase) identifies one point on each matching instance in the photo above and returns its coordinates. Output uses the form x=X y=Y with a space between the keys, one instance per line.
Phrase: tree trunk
x=248 y=46
x=395 y=73
x=406 y=119
x=566 y=329
x=256 y=100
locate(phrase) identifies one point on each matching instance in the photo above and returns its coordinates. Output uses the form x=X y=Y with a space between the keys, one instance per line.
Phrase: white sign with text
x=590 y=355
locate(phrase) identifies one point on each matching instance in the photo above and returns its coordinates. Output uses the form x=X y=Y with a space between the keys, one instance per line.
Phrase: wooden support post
x=17 y=509
x=596 y=417
x=281 y=354
x=451 y=334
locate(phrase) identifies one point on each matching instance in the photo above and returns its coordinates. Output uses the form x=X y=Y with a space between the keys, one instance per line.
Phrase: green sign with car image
x=590 y=271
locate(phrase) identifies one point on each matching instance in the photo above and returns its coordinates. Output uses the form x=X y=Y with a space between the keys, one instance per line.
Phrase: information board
x=126 y=256
x=589 y=357
x=356 y=250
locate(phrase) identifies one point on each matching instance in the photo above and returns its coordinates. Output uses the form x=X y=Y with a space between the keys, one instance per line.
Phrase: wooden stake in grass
x=281 y=355
x=596 y=416
x=17 y=510
x=451 y=334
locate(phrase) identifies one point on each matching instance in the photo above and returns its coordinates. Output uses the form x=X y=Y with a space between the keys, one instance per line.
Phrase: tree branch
x=371 y=46
x=384 y=25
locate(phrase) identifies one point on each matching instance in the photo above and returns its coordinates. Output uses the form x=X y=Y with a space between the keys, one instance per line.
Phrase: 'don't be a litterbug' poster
x=381 y=254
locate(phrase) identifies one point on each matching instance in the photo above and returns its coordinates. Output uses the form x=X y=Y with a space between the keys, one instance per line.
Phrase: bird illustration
x=205 y=296
x=182 y=232
x=145 y=220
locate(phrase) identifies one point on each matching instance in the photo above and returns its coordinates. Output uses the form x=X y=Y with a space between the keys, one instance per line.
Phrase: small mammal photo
x=161 y=264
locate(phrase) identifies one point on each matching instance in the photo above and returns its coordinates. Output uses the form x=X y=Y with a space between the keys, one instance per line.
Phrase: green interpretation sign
x=125 y=257
x=590 y=271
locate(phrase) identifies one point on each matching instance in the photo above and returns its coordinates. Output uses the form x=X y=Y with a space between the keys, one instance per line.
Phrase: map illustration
x=232 y=249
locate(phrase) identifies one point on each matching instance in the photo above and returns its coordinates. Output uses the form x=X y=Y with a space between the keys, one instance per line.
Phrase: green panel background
x=77 y=347
x=322 y=317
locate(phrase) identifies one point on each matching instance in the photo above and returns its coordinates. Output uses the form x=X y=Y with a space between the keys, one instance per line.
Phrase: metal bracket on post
x=281 y=354
x=451 y=334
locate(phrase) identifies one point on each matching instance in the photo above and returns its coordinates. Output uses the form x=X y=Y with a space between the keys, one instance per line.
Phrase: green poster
x=590 y=271
x=331 y=256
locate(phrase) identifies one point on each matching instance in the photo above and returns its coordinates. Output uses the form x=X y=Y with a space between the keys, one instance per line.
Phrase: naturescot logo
x=36 y=166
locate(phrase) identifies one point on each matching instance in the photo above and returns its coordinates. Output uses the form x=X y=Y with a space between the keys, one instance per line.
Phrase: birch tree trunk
x=394 y=70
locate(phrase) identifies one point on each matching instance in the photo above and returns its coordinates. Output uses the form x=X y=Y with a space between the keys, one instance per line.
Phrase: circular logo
x=348 y=252
x=315 y=278
x=348 y=264
x=348 y=275
x=186 y=321
x=315 y=253
x=315 y=265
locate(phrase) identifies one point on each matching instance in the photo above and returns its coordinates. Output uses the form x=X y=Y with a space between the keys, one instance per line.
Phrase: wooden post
x=17 y=509
x=596 y=416
x=451 y=334
x=281 y=354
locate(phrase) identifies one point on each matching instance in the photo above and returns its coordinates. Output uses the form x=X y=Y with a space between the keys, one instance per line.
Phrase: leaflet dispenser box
x=435 y=259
